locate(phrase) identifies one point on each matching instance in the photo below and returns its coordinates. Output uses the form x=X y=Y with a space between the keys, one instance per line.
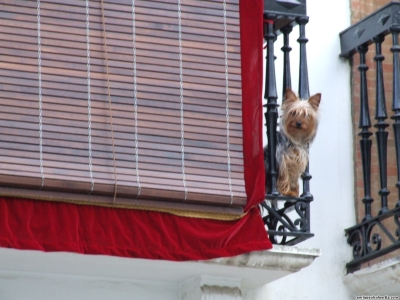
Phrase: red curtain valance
x=57 y=226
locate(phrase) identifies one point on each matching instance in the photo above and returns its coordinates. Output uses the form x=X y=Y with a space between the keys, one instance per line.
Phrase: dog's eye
x=293 y=113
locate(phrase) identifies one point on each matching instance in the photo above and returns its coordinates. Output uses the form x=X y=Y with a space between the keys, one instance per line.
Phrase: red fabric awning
x=55 y=226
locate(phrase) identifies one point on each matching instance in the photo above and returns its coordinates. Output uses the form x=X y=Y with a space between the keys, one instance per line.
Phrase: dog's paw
x=292 y=194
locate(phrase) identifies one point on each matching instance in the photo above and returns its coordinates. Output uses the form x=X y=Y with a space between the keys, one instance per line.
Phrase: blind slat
x=176 y=104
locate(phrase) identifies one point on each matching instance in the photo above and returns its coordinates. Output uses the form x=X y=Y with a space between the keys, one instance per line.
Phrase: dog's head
x=299 y=120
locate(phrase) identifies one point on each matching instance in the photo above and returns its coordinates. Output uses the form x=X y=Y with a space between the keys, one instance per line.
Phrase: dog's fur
x=298 y=126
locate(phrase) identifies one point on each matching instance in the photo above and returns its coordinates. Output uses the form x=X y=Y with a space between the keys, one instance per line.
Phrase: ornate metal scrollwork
x=301 y=208
x=396 y=219
x=289 y=224
x=374 y=239
x=355 y=240
x=368 y=244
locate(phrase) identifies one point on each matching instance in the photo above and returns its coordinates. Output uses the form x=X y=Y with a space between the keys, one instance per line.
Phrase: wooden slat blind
x=174 y=79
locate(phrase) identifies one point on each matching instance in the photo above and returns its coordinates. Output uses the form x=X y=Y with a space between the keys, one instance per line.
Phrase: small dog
x=298 y=126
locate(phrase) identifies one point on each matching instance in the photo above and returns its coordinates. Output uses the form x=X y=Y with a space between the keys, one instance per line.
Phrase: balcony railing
x=379 y=234
x=287 y=218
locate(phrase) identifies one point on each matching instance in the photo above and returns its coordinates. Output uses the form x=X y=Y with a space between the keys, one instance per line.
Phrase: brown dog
x=298 y=127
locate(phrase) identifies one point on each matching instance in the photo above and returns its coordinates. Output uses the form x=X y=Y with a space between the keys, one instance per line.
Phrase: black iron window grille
x=376 y=235
x=287 y=218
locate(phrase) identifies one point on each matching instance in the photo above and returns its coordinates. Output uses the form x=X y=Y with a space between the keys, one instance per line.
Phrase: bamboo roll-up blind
x=155 y=103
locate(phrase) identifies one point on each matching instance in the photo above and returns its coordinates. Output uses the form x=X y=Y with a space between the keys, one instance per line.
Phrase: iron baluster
x=380 y=116
x=395 y=30
x=304 y=92
x=287 y=78
x=271 y=115
x=365 y=124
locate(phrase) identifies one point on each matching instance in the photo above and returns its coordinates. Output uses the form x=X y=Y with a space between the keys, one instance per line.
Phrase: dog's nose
x=298 y=124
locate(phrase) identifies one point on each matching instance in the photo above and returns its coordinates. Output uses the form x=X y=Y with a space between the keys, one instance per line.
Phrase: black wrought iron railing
x=376 y=235
x=287 y=218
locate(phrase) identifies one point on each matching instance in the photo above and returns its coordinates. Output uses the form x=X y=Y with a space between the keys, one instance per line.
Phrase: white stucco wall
x=50 y=286
x=331 y=158
x=36 y=275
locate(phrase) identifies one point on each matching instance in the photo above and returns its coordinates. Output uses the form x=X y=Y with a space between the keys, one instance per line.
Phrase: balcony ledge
x=380 y=279
x=259 y=268
x=248 y=270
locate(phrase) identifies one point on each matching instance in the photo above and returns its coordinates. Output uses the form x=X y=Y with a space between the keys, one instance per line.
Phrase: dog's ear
x=290 y=96
x=315 y=100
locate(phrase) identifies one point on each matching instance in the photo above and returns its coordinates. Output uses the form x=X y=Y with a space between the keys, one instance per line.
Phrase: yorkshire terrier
x=298 y=126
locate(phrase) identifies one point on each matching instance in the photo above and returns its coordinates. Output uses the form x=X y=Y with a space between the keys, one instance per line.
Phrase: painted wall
x=49 y=286
x=36 y=275
x=331 y=158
